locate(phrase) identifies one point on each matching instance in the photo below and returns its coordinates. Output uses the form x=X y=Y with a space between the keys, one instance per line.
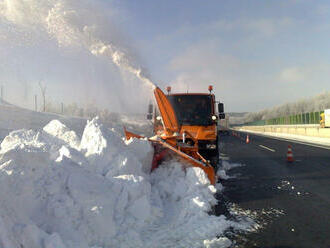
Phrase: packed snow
x=62 y=191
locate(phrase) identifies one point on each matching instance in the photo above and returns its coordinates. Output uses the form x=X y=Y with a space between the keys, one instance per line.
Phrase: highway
x=299 y=192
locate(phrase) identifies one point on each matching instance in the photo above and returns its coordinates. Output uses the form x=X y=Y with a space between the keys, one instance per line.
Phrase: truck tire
x=215 y=162
x=215 y=158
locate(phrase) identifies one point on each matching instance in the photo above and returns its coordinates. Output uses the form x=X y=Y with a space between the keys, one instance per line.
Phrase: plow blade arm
x=166 y=110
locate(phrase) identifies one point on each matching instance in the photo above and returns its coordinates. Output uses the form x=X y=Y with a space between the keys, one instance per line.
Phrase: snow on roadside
x=61 y=192
x=63 y=134
x=185 y=200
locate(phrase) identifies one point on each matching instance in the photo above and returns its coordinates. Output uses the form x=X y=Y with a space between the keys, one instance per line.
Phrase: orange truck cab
x=197 y=115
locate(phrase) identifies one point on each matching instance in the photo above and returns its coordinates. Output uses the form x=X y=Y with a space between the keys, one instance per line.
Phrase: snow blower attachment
x=187 y=128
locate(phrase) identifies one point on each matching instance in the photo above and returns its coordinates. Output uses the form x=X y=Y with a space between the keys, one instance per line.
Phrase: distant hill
x=237 y=114
x=236 y=117
x=312 y=104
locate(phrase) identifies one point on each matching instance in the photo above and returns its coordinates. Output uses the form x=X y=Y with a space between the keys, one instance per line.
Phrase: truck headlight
x=211 y=146
x=214 y=117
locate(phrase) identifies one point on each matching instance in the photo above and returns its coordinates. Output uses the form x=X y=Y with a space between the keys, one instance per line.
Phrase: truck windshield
x=192 y=109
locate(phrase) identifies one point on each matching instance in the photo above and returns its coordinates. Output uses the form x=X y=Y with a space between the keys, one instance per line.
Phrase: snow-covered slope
x=13 y=118
x=59 y=190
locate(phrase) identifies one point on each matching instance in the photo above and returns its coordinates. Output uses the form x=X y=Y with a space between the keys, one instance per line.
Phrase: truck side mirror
x=150 y=108
x=222 y=116
x=220 y=108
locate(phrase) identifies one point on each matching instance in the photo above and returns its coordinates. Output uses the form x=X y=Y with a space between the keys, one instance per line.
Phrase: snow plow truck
x=185 y=126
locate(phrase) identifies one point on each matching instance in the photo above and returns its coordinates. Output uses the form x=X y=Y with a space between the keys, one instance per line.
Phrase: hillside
x=313 y=104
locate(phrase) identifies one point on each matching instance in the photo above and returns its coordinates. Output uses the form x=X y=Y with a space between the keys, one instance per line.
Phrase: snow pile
x=185 y=199
x=63 y=134
x=61 y=192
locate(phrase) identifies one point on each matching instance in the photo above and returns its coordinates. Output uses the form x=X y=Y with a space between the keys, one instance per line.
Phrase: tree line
x=313 y=104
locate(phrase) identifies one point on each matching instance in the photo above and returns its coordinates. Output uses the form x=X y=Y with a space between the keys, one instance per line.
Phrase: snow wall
x=60 y=191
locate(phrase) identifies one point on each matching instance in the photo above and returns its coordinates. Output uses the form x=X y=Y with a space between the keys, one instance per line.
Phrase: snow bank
x=61 y=192
x=64 y=135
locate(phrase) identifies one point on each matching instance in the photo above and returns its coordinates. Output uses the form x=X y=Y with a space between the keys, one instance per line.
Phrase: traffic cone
x=289 y=156
x=247 y=139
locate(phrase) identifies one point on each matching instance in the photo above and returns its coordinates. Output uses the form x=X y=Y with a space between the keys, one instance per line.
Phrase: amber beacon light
x=210 y=88
x=168 y=89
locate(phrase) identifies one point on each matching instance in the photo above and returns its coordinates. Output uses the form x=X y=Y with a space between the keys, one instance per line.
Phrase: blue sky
x=257 y=54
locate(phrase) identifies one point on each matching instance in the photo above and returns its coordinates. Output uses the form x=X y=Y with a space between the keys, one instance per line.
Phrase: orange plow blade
x=129 y=135
x=208 y=169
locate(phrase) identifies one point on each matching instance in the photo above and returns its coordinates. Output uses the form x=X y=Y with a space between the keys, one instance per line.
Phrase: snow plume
x=120 y=59
x=61 y=24
x=60 y=191
x=80 y=23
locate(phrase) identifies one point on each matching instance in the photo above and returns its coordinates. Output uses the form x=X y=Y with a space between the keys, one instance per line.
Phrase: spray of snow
x=225 y=167
x=71 y=24
x=61 y=191
x=120 y=59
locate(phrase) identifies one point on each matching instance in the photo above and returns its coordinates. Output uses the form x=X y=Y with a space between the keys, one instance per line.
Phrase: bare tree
x=43 y=93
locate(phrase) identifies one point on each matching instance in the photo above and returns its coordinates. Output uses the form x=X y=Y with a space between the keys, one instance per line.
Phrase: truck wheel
x=215 y=157
x=214 y=160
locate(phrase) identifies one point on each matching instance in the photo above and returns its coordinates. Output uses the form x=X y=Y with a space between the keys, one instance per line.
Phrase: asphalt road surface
x=298 y=192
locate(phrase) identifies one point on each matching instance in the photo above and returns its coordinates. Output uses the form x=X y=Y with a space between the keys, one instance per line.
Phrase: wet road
x=300 y=191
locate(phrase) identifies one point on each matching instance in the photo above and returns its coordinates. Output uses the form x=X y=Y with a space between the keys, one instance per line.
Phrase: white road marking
x=267 y=148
